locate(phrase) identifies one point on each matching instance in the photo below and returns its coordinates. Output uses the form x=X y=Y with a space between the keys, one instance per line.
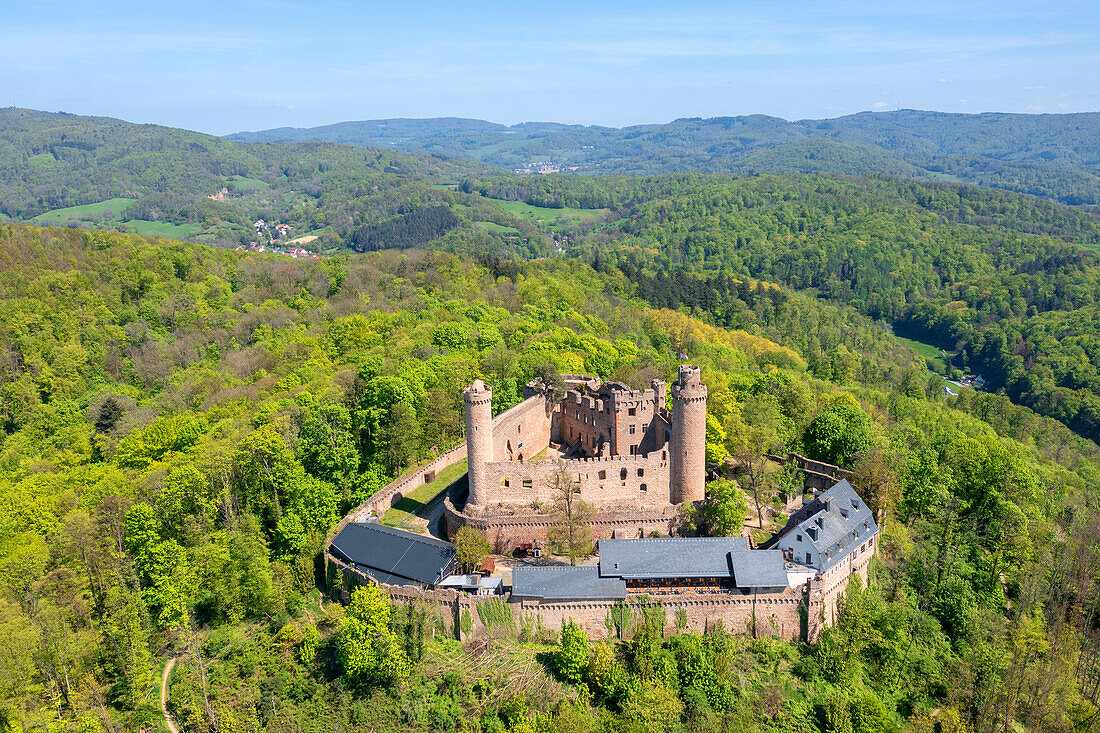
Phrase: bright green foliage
x=571 y=659
x=724 y=509
x=365 y=647
x=131 y=526
x=472 y=547
x=160 y=439
x=838 y=434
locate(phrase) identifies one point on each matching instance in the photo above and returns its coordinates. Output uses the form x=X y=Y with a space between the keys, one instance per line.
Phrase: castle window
x=632 y=411
x=633 y=450
x=577 y=414
x=528 y=483
x=633 y=429
x=519 y=428
x=798 y=538
x=504 y=483
x=808 y=559
x=641 y=472
x=602 y=475
x=622 y=475
x=643 y=487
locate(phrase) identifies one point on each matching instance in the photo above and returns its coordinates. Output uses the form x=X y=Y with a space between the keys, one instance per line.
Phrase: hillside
x=160 y=180
x=182 y=426
x=1054 y=156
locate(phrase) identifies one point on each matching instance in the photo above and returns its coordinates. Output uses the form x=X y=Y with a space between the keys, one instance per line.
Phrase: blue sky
x=228 y=66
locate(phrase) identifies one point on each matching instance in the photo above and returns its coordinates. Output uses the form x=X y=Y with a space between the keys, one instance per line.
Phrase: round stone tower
x=478 y=399
x=687 y=454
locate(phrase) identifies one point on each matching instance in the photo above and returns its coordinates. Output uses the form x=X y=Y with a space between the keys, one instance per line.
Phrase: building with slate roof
x=659 y=566
x=791 y=590
x=558 y=583
x=829 y=530
x=393 y=556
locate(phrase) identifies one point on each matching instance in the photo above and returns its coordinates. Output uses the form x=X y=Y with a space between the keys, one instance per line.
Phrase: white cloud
x=878 y=105
x=1033 y=86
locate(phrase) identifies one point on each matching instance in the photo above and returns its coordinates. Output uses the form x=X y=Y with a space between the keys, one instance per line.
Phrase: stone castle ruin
x=625 y=454
x=636 y=462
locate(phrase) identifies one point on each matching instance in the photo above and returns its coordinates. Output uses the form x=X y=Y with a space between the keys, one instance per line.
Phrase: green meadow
x=84 y=212
x=552 y=218
x=931 y=353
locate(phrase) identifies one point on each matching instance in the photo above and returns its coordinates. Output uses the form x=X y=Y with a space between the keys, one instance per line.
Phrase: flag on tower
x=681 y=355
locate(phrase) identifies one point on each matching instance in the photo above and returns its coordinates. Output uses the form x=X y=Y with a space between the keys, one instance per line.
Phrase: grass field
x=928 y=351
x=247 y=184
x=492 y=226
x=421 y=496
x=554 y=218
x=84 y=212
x=164 y=229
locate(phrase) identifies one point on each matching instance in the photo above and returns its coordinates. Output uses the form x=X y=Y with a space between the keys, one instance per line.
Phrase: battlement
x=477 y=393
x=623 y=437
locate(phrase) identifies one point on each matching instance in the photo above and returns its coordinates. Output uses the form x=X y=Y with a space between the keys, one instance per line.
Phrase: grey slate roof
x=759 y=569
x=565 y=583
x=835 y=523
x=669 y=557
x=393 y=556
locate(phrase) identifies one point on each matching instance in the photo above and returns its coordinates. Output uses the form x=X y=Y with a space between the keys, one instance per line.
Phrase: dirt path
x=164 y=696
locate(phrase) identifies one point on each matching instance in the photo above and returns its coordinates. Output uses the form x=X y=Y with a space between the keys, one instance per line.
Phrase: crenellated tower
x=687 y=452
x=478 y=402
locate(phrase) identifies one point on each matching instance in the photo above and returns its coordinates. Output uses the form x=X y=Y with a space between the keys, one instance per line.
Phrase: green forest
x=1053 y=156
x=183 y=426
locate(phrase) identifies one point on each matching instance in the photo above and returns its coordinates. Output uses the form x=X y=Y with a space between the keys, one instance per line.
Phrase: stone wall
x=523 y=431
x=616 y=482
x=397 y=489
x=511 y=527
x=774 y=614
x=827 y=589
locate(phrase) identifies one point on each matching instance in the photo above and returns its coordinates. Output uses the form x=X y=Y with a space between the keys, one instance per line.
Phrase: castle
x=636 y=463
x=621 y=450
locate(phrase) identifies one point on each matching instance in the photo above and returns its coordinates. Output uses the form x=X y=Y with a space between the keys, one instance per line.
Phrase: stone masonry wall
x=615 y=482
x=509 y=528
x=394 y=491
x=523 y=431
x=776 y=614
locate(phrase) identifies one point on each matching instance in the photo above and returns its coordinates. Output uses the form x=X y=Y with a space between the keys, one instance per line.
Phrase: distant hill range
x=1054 y=156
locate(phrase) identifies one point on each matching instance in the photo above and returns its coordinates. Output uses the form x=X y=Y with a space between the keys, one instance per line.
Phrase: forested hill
x=159 y=180
x=182 y=426
x=1055 y=156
